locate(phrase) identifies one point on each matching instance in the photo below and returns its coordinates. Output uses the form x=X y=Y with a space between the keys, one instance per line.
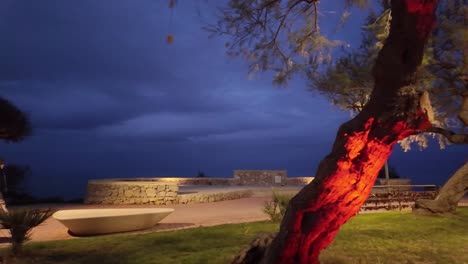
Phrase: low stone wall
x=299 y=180
x=198 y=181
x=127 y=192
x=124 y=191
x=260 y=177
x=165 y=190
x=212 y=197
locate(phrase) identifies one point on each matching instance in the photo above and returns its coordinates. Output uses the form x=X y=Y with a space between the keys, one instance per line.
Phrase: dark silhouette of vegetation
x=201 y=174
x=392 y=173
x=14 y=124
x=20 y=223
x=16 y=176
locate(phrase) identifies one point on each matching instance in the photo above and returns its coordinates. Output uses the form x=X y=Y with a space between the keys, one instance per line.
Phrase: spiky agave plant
x=20 y=223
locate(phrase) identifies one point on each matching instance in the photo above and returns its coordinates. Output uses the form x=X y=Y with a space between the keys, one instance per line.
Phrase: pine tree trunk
x=449 y=195
x=346 y=176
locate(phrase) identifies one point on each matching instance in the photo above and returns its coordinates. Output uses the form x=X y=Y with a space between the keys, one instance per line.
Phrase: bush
x=20 y=223
x=201 y=174
x=277 y=207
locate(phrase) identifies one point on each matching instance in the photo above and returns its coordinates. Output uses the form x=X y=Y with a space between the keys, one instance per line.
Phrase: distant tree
x=14 y=124
x=16 y=176
x=201 y=174
x=14 y=127
x=284 y=37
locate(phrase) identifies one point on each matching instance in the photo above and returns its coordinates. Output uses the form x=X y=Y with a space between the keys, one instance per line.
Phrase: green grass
x=375 y=238
x=401 y=238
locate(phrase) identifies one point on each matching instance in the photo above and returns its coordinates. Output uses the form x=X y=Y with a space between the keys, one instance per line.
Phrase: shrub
x=276 y=208
x=201 y=174
x=20 y=223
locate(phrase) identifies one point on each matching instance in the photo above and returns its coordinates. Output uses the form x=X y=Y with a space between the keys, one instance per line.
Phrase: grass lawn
x=373 y=238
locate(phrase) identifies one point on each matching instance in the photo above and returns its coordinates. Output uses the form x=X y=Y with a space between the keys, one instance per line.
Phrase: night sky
x=107 y=97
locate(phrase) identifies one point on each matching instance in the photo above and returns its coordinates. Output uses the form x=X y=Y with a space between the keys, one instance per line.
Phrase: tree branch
x=450 y=135
x=283 y=19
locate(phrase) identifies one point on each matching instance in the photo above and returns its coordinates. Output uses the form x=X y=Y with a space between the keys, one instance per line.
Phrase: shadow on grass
x=156 y=228
x=5 y=240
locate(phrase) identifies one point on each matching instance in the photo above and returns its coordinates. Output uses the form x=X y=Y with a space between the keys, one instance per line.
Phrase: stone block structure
x=299 y=180
x=130 y=192
x=212 y=197
x=260 y=177
x=191 y=181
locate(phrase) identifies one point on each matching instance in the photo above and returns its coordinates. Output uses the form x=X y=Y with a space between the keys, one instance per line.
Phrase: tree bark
x=449 y=195
x=346 y=176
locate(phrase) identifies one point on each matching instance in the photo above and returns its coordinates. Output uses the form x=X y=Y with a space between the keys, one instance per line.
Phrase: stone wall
x=165 y=190
x=260 y=177
x=126 y=192
x=299 y=180
x=212 y=197
x=195 y=181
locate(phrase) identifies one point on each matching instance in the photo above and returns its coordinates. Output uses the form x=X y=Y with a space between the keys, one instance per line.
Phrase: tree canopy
x=279 y=36
x=348 y=81
x=14 y=124
x=285 y=37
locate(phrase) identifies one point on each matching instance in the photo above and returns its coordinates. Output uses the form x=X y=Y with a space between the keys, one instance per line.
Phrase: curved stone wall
x=188 y=181
x=131 y=192
x=212 y=197
x=158 y=192
x=164 y=190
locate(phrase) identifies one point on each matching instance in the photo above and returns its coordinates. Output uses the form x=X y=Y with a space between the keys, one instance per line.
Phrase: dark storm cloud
x=88 y=105
x=82 y=65
x=43 y=40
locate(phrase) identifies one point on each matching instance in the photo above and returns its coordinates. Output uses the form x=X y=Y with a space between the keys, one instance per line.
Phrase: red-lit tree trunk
x=346 y=176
